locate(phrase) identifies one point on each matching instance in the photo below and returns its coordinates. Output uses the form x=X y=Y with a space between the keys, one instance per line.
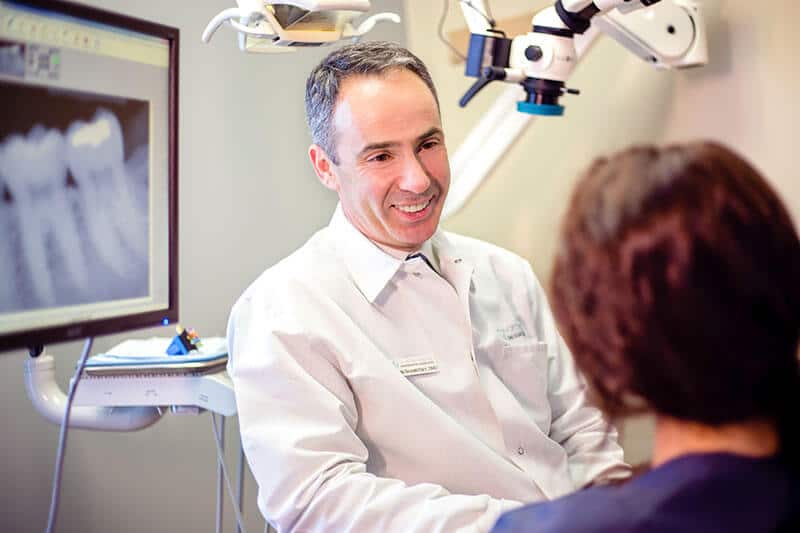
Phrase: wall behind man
x=746 y=97
x=248 y=197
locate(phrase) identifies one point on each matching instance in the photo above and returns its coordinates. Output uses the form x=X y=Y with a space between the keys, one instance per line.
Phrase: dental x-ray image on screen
x=88 y=173
x=74 y=172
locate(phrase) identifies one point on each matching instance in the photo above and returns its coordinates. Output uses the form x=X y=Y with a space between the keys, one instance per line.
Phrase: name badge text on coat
x=417 y=366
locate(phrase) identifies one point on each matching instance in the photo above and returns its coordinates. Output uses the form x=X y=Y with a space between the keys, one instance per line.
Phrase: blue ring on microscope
x=540 y=109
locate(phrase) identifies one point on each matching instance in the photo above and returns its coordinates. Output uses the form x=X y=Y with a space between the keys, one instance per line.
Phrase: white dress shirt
x=430 y=395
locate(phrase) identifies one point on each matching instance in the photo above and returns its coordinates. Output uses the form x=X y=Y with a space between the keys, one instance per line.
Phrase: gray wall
x=247 y=198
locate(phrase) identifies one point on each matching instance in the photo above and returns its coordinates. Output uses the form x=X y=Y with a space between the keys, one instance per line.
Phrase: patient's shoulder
x=690 y=494
x=595 y=510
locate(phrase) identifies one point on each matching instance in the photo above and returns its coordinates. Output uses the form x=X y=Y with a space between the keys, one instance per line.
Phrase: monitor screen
x=88 y=173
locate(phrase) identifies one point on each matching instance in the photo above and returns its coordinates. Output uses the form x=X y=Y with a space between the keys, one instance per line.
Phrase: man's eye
x=379 y=158
x=427 y=145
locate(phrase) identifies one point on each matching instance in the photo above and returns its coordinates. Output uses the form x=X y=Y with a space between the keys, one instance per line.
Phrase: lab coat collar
x=372 y=267
x=446 y=254
x=453 y=266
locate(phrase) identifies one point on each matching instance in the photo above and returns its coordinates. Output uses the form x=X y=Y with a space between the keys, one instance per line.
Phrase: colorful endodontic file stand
x=184 y=342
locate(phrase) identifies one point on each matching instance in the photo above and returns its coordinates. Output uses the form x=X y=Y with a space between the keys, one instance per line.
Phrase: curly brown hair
x=677 y=287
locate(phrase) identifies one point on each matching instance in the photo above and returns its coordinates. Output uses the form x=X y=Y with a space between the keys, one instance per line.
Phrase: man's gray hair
x=363 y=58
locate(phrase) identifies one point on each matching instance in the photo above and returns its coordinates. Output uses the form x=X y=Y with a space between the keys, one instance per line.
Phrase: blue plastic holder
x=177 y=347
x=540 y=109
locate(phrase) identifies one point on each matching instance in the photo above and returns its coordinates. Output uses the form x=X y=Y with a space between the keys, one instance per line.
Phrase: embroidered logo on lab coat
x=511 y=333
x=416 y=366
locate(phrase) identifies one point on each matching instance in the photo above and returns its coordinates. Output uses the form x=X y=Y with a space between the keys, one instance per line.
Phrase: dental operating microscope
x=542 y=60
x=535 y=67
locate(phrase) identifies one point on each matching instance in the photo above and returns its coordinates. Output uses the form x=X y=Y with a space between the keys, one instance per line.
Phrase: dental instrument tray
x=148 y=357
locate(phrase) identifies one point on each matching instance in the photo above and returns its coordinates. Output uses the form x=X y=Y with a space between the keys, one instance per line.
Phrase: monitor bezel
x=105 y=326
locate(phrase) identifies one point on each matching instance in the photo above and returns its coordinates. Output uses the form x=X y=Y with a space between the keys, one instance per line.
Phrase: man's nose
x=415 y=177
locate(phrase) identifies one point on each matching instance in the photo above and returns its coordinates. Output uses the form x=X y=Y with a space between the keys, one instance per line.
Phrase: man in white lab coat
x=391 y=376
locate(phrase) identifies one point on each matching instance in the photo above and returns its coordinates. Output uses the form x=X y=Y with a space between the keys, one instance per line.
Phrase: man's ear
x=323 y=166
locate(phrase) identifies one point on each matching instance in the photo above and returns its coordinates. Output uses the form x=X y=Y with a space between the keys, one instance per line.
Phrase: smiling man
x=391 y=376
x=389 y=163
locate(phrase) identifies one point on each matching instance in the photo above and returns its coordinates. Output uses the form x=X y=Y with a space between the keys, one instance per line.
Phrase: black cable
x=440 y=32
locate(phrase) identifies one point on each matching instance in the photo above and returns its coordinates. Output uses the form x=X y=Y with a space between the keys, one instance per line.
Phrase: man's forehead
x=374 y=78
x=372 y=102
x=389 y=85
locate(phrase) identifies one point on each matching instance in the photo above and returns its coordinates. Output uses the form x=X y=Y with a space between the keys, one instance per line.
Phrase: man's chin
x=413 y=239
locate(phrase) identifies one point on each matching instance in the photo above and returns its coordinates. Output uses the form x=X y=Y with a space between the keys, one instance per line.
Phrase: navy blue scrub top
x=694 y=493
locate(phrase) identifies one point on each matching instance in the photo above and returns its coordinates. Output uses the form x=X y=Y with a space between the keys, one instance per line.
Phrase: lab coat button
x=521 y=450
x=416 y=274
x=457 y=260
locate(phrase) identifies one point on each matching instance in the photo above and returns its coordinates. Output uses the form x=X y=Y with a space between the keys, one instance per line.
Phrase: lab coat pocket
x=527 y=357
x=523 y=368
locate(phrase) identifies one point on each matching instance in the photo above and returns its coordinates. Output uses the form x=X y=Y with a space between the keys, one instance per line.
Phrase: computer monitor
x=88 y=173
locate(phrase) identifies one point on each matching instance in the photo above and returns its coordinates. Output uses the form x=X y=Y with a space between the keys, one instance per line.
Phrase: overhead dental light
x=280 y=27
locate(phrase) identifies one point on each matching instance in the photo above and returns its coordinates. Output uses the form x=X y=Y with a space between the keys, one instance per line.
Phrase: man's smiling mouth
x=414 y=208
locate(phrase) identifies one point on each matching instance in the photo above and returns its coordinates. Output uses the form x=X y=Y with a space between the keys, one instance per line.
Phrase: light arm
x=278 y=27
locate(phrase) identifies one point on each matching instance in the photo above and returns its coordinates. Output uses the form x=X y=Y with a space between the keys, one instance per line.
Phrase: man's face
x=393 y=173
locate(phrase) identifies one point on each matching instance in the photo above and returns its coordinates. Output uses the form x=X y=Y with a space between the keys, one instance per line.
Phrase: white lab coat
x=340 y=435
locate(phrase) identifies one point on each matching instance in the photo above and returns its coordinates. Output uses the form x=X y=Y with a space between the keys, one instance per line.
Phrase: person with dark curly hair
x=677 y=288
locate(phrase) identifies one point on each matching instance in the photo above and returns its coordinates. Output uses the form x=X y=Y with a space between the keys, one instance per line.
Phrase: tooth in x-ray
x=35 y=171
x=95 y=155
